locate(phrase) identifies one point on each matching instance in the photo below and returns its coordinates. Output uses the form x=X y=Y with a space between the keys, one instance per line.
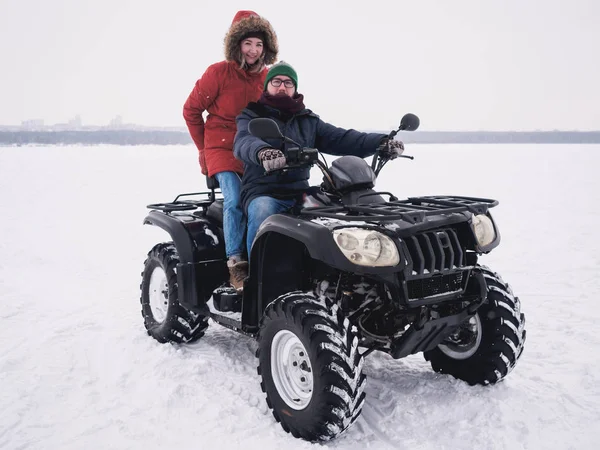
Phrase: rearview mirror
x=264 y=128
x=409 y=122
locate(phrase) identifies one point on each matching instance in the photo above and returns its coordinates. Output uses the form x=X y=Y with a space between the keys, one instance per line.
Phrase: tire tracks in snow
x=231 y=356
x=389 y=384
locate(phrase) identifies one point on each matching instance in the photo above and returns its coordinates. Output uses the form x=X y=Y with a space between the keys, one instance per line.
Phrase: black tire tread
x=181 y=325
x=337 y=361
x=503 y=339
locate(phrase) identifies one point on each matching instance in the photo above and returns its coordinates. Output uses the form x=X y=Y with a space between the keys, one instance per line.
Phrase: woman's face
x=252 y=48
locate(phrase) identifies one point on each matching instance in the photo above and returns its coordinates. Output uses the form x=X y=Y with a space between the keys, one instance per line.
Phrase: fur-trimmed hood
x=246 y=22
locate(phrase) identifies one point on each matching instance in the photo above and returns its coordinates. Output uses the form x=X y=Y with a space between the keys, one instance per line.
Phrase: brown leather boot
x=237 y=274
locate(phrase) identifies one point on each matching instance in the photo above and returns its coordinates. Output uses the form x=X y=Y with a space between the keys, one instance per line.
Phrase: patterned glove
x=272 y=159
x=393 y=149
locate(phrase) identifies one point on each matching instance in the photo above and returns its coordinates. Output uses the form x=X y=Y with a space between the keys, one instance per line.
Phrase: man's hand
x=392 y=150
x=271 y=159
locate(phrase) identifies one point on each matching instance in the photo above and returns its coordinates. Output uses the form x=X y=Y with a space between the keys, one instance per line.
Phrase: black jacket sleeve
x=245 y=145
x=338 y=141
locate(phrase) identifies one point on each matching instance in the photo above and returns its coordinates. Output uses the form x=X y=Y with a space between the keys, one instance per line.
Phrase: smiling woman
x=223 y=91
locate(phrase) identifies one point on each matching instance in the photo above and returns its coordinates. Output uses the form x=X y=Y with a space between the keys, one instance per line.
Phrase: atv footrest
x=227 y=299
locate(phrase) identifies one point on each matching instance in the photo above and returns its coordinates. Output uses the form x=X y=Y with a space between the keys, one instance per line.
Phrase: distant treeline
x=501 y=137
x=162 y=137
x=95 y=137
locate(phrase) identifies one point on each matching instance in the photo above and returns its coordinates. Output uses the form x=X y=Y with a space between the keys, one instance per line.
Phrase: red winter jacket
x=224 y=90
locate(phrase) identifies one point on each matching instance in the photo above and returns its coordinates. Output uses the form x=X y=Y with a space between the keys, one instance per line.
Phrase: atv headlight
x=483 y=228
x=366 y=247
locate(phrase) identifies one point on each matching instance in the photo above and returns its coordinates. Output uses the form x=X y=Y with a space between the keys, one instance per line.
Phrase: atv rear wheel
x=165 y=319
x=488 y=345
x=310 y=366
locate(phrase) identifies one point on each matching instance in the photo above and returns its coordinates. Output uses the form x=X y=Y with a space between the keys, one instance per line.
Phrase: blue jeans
x=259 y=209
x=234 y=222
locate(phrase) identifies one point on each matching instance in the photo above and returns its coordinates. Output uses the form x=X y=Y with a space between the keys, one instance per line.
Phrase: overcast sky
x=459 y=65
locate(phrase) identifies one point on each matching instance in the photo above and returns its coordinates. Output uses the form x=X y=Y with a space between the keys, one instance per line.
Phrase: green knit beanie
x=282 y=68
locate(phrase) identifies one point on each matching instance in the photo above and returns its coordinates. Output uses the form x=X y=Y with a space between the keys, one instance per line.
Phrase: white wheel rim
x=291 y=370
x=464 y=347
x=158 y=294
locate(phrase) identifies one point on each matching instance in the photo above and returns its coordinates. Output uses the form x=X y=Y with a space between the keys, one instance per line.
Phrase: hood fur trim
x=249 y=24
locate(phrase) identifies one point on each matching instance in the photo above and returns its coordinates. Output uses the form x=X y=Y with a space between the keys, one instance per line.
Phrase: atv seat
x=215 y=211
x=212 y=183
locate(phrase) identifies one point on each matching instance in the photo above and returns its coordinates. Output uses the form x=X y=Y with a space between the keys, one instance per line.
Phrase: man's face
x=277 y=86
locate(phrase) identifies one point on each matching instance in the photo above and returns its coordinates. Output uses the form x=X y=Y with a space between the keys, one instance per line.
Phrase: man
x=263 y=193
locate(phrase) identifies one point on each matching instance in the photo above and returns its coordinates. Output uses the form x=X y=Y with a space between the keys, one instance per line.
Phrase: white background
x=460 y=65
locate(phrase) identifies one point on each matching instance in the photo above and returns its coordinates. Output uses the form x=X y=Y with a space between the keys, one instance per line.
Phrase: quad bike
x=355 y=272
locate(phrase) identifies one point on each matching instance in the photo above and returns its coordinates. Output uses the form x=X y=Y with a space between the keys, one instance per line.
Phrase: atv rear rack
x=185 y=205
x=412 y=210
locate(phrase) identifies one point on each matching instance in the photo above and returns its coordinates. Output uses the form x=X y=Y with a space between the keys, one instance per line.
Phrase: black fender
x=179 y=233
x=202 y=265
x=285 y=249
x=319 y=243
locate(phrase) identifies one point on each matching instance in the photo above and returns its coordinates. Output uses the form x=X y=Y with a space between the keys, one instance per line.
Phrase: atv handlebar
x=301 y=156
x=298 y=157
x=409 y=122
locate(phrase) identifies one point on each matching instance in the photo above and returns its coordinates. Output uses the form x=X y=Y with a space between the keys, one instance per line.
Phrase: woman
x=223 y=91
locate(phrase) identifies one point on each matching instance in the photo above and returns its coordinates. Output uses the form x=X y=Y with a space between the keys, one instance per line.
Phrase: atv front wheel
x=165 y=319
x=487 y=346
x=310 y=366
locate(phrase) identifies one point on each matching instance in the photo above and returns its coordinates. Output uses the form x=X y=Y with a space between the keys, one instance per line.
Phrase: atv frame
x=308 y=301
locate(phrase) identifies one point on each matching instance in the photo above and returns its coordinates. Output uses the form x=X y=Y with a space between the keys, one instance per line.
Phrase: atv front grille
x=434 y=251
x=436 y=285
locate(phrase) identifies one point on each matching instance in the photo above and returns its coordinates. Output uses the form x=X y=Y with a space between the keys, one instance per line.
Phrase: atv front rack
x=412 y=210
x=185 y=205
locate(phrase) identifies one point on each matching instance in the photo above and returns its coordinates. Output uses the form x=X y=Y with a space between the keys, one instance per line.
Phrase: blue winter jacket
x=307 y=129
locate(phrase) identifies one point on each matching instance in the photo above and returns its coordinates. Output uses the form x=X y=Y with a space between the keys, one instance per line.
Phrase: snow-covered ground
x=77 y=370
